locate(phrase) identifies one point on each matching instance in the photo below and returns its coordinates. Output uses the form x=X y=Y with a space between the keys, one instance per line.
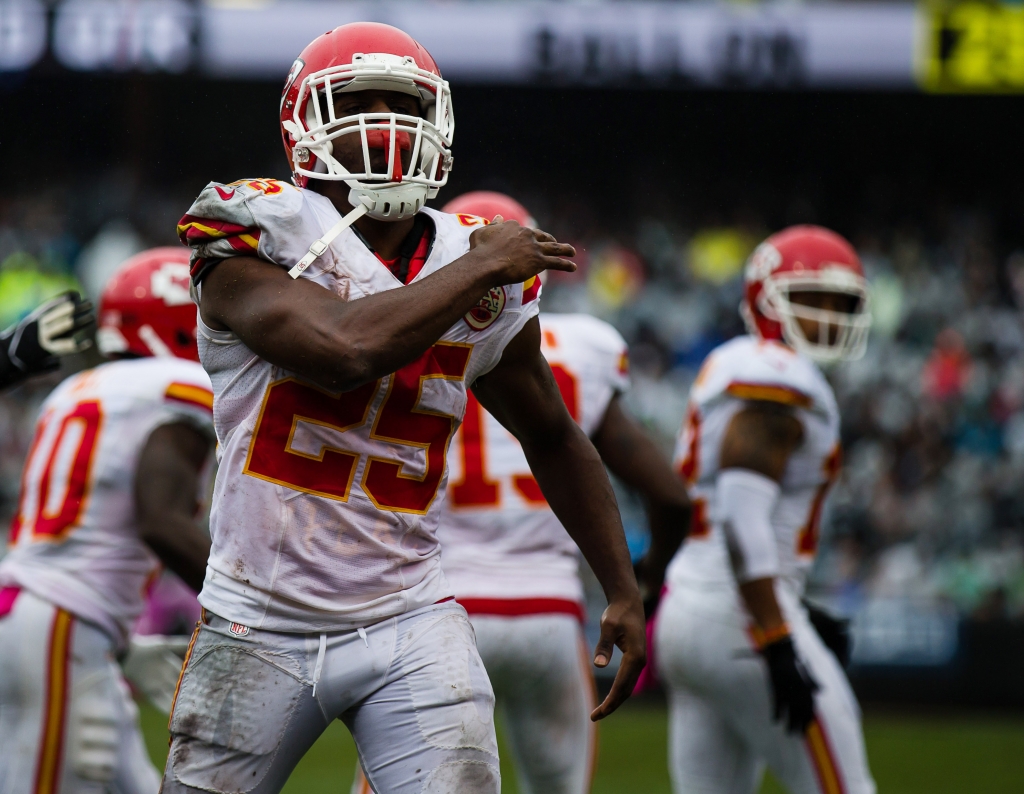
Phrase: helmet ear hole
x=182 y=338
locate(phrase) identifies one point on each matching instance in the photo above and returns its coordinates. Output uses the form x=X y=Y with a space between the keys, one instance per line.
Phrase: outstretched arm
x=632 y=456
x=339 y=345
x=521 y=393
x=166 y=483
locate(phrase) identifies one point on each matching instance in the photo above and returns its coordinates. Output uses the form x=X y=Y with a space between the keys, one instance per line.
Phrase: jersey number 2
x=330 y=472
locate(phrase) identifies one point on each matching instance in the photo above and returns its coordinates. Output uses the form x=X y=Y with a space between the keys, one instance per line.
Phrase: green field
x=908 y=754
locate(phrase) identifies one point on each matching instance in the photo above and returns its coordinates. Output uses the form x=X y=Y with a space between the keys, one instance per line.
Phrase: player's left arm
x=166 y=483
x=522 y=394
x=632 y=456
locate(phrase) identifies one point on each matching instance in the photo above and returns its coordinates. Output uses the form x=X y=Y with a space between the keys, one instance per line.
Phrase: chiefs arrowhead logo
x=487 y=310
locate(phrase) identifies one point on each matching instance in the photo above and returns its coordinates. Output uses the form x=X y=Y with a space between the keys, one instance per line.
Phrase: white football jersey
x=739 y=371
x=325 y=508
x=74 y=540
x=499 y=538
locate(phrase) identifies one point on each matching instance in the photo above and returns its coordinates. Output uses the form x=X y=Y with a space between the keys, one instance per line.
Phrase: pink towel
x=7 y=596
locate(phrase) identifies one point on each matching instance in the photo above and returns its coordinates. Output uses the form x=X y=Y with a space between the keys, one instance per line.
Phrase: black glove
x=57 y=328
x=834 y=632
x=649 y=594
x=792 y=686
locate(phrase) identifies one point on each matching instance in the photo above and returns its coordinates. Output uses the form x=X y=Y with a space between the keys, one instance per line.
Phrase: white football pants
x=721 y=732
x=68 y=724
x=540 y=671
x=411 y=689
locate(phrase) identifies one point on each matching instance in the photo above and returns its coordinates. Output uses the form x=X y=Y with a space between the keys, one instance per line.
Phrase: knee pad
x=232 y=713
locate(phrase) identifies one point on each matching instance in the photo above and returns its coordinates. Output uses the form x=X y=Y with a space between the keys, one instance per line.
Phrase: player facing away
x=342 y=325
x=512 y=565
x=751 y=683
x=109 y=491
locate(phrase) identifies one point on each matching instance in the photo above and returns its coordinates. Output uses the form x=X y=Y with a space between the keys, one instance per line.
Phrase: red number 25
x=399 y=421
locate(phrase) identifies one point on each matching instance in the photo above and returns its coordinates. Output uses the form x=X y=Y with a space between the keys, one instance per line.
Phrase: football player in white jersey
x=751 y=683
x=34 y=345
x=109 y=492
x=512 y=565
x=342 y=325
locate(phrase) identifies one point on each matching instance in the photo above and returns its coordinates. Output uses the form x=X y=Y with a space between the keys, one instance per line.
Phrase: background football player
x=34 y=345
x=750 y=681
x=109 y=491
x=512 y=565
x=342 y=325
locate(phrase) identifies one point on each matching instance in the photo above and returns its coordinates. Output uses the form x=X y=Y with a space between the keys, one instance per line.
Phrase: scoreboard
x=972 y=47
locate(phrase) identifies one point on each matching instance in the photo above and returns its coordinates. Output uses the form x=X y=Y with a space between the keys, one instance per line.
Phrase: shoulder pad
x=223 y=220
x=750 y=369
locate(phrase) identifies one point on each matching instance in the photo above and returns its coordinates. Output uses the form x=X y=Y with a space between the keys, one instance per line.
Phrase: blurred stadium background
x=664 y=139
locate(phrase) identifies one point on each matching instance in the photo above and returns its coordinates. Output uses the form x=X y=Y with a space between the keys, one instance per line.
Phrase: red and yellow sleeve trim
x=531 y=289
x=193 y=230
x=190 y=394
x=58 y=673
x=769 y=392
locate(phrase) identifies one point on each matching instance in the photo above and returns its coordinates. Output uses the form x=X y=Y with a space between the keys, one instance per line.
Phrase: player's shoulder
x=453 y=229
x=240 y=203
x=748 y=368
x=582 y=331
x=159 y=381
x=230 y=219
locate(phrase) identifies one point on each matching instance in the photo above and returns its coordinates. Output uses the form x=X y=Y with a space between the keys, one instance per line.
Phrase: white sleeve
x=744 y=501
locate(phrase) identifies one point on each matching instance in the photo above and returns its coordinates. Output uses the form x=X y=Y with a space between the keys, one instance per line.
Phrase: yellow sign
x=972 y=47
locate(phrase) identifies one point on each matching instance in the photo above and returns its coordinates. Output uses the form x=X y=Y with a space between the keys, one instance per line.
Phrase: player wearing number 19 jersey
x=751 y=683
x=342 y=325
x=513 y=566
x=109 y=491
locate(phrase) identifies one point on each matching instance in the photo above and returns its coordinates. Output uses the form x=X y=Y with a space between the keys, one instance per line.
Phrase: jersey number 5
x=330 y=473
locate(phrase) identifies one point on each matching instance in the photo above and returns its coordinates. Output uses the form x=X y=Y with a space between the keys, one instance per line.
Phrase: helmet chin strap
x=318 y=247
x=379 y=204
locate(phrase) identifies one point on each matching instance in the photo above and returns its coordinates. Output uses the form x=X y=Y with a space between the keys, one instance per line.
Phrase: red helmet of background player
x=357 y=57
x=487 y=204
x=146 y=310
x=806 y=259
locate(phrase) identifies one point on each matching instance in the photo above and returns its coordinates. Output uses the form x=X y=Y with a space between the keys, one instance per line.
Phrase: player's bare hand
x=517 y=253
x=622 y=624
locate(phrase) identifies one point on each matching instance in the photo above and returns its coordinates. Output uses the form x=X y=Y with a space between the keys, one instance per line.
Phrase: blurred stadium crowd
x=929 y=506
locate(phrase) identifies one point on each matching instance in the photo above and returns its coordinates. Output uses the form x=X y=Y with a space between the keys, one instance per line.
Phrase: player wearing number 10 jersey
x=343 y=326
x=750 y=680
x=109 y=491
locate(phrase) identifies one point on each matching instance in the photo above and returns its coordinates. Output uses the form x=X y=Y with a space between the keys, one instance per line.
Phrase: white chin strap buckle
x=318 y=247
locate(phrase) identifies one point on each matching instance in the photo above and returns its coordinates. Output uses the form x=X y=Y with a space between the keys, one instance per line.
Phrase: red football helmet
x=357 y=57
x=487 y=204
x=146 y=309
x=807 y=259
